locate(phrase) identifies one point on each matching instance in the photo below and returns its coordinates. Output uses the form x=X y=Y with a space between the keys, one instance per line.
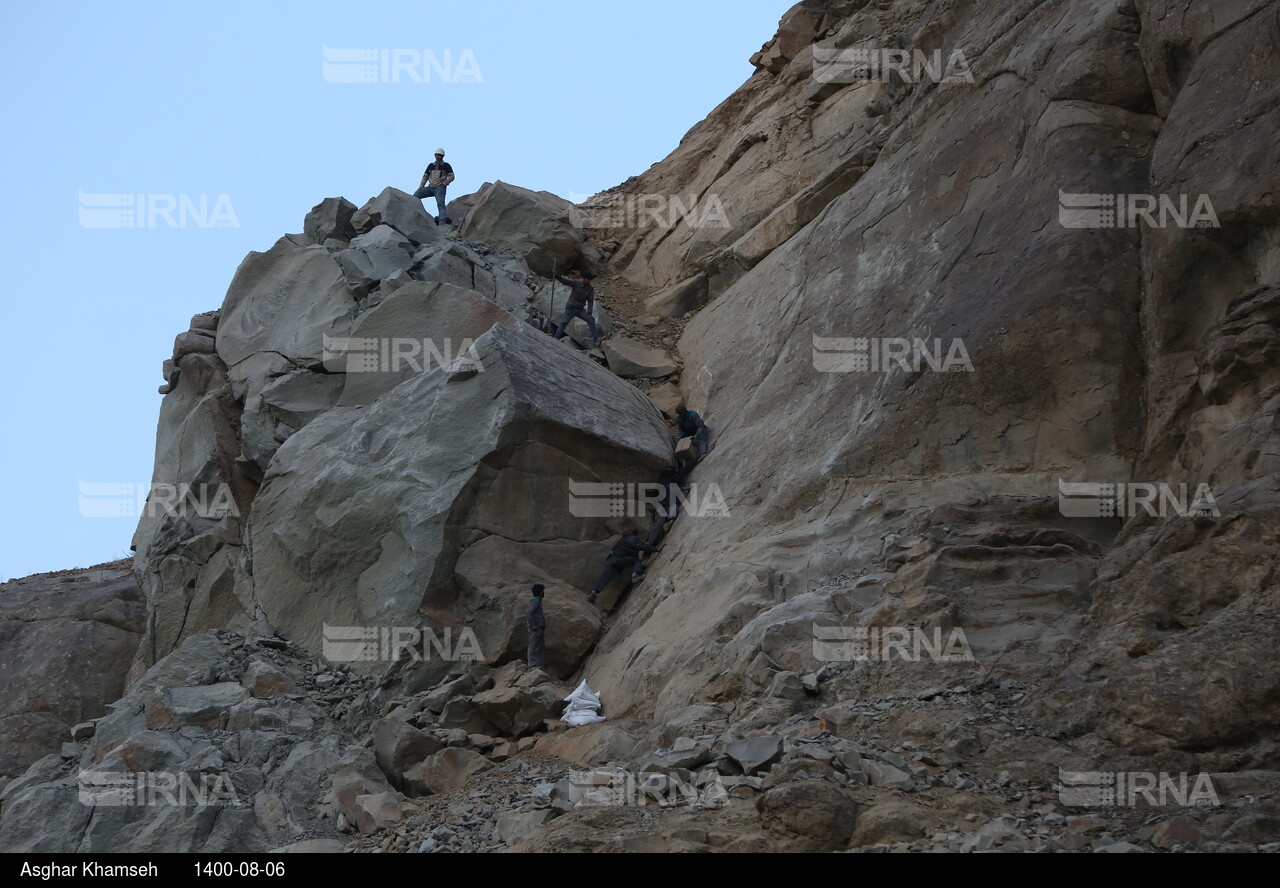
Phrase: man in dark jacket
x=666 y=505
x=625 y=555
x=435 y=182
x=536 y=623
x=691 y=425
x=582 y=299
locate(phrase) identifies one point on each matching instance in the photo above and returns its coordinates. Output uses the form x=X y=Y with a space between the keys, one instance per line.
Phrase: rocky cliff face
x=66 y=640
x=1138 y=354
x=913 y=321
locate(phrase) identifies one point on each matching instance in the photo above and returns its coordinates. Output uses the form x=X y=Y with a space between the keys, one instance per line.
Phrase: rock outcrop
x=544 y=229
x=450 y=498
x=66 y=642
x=325 y=336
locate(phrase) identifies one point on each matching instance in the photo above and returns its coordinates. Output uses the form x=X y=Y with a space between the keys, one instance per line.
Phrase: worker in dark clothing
x=536 y=622
x=435 y=183
x=666 y=506
x=690 y=425
x=582 y=300
x=624 y=556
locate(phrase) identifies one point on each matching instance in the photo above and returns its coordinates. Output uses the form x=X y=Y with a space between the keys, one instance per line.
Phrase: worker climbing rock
x=435 y=181
x=666 y=505
x=624 y=556
x=582 y=300
x=690 y=425
x=536 y=622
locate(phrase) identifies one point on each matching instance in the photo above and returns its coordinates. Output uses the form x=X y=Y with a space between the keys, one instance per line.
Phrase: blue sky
x=233 y=98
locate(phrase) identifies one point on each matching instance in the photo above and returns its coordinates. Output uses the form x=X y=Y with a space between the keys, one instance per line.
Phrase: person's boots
x=591 y=599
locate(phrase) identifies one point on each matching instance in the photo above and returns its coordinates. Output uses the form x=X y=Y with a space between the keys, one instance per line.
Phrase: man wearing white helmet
x=435 y=180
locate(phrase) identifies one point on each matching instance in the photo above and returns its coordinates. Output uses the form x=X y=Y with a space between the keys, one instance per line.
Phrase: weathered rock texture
x=1144 y=354
x=66 y=642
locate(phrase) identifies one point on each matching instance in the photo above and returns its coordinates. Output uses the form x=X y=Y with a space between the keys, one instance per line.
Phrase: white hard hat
x=440 y=151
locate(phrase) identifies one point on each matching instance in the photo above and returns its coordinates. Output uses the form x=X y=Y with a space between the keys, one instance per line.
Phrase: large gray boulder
x=264 y=681
x=149 y=751
x=193 y=342
x=809 y=815
x=373 y=256
x=398 y=746
x=418 y=328
x=201 y=706
x=280 y=311
x=540 y=226
x=518 y=710
x=755 y=754
x=66 y=642
x=330 y=218
x=431 y=507
x=401 y=211
x=635 y=360
x=358 y=777
x=448 y=263
x=40 y=817
x=446 y=771
x=282 y=301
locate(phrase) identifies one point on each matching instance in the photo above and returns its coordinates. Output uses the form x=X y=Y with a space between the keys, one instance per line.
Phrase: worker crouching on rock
x=624 y=556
